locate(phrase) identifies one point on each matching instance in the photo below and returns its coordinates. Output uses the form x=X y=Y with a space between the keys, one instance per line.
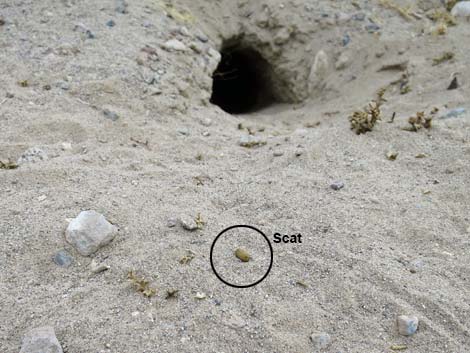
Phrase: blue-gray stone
x=372 y=27
x=337 y=185
x=454 y=113
x=110 y=115
x=407 y=325
x=62 y=258
x=110 y=23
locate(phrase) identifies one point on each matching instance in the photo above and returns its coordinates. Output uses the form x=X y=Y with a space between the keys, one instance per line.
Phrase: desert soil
x=124 y=126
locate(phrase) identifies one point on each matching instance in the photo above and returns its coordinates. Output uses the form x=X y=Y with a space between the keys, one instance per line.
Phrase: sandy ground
x=394 y=240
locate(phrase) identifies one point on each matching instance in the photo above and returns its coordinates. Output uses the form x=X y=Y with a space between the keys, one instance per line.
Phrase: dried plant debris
x=395 y=66
x=301 y=283
x=200 y=223
x=398 y=347
x=187 y=258
x=141 y=285
x=8 y=165
x=440 y=30
x=404 y=12
x=243 y=255
x=365 y=120
x=441 y=16
x=391 y=155
x=443 y=58
x=171 y=293
x=421 y=120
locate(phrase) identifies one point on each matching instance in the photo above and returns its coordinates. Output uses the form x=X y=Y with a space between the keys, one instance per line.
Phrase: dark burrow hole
x=242 y=83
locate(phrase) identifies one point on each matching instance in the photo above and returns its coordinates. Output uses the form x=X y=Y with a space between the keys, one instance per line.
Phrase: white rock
x=318 y=70
x=174 y=44
x=41 y=340
x=188 y=223
x=251 y=141
x=89 y=232
x=320 y=65
x=342 y=62
x=32 y=155
x=213 y=60
x=407 y=325
x=461 y=9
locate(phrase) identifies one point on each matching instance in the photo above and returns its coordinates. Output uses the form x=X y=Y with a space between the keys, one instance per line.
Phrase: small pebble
x=95 y=267
x=454 y=113
x=200 y=295
x=372 y=28
x=407 y=325
x=171 y=222
x=278 y=153
x=110 y=115
x=320 y=340
x=121 y=6
x=202 y=37
x=183 y=131
x=415 y=266
x=62 y=258
x=174 y=44
x=110 y=23
x=251 y=141
x=337 y=185
x=346 y=40
x=242 y=255
x=188 y=223
x=41 y=340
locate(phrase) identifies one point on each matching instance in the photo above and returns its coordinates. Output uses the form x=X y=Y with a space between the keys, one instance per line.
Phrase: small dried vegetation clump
x=141 y=285
x=421 y=120
x=364 y=120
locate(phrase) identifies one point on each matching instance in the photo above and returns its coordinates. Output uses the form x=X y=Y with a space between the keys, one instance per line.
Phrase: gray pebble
x=110 y=23
x=415 y=266
x=89 y=232
x=320 y=340
x=121 y=6
x=63 y=85
x=454 y=113
x=278 y=153
x=62 y=258
x=202 y=37
x=407 y=325
x=183 y=131
x=372 y=28
x=346 y=40
x=359 y=16
x=41 y=340
x=337 y=185
x=188 y=223
x=171 y=222
x=110 y=115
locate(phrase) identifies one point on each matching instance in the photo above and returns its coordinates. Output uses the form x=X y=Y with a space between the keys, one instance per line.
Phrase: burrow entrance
x=243 y=80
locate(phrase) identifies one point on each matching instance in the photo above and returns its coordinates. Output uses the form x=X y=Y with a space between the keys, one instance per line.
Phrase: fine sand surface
x=124 y=126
